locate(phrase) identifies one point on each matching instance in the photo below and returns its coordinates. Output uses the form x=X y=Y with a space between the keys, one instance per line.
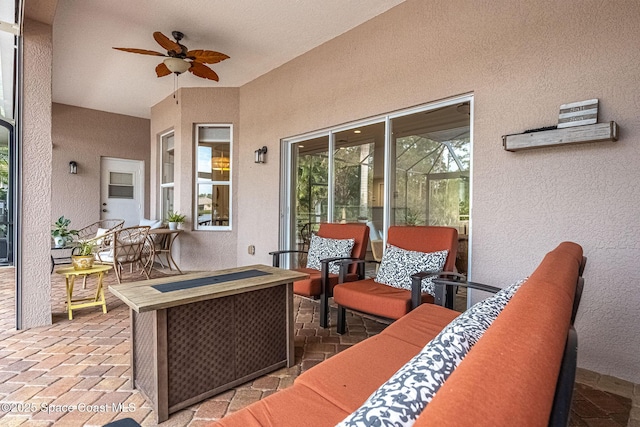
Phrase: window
x=166 y=174
x=213 y=177
x=120 y=185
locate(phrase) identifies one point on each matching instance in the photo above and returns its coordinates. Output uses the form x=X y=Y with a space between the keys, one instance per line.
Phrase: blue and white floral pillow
x=401 y=400
x=321 y=248
x=398 y=265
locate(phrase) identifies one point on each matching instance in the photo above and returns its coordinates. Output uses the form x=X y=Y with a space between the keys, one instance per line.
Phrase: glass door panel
x=358 y=175
x=431 y=172
x=310 y=186
x=6 y=234
x=431 y=169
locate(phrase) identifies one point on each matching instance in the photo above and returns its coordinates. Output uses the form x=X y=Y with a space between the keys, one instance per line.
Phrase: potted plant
x=175 y=218
x=82 y=257
x=61 y=233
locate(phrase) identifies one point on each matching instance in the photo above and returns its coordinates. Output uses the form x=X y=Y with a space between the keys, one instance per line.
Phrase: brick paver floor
x=84 y=363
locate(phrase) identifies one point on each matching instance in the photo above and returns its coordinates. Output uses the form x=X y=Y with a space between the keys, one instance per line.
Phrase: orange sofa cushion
x=507 y=379
x=376 y=298
x=348 y=378
x=296 y=406
x=425 y=322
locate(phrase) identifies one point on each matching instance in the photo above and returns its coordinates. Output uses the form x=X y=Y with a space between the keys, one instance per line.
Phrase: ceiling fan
x=179 y=58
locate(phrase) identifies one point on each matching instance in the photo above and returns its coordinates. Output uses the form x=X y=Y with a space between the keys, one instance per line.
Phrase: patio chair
x=125 y=246
x=323 y=269
x=99 y=228
x=394 y=301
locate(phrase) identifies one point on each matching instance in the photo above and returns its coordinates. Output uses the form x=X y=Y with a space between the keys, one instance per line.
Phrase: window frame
x=197 y=182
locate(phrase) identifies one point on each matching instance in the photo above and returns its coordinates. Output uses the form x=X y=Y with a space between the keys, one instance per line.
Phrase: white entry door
x=122 y=190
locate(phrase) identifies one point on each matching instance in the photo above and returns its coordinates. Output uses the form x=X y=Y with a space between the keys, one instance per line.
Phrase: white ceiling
x=259 y=36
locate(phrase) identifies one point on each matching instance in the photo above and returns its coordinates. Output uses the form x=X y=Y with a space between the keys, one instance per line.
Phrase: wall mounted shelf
x=572 y=135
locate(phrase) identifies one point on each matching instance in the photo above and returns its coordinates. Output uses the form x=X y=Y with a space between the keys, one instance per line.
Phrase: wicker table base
x=186 y=353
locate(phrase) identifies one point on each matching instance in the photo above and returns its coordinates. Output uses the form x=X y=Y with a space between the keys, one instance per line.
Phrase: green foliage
x=412 y=217
x=175 y=217
x=85 y=248
x=312 y=184
x=61 y=229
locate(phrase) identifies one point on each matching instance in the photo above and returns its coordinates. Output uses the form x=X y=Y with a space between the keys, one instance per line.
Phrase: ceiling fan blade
x=162 y=70
x=141 y=51
x=206 y=56
x=166 y=42
x=203 y=71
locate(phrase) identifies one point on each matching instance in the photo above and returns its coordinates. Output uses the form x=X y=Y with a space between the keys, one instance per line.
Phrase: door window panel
x=120 y=185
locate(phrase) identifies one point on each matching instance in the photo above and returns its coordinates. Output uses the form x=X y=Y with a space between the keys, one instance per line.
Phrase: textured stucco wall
x=197 y=249
x=85 y=136
x=521 y=61
x=35 y=235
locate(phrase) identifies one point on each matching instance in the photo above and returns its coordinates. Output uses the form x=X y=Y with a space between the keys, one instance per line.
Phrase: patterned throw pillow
x=398 y=265
x=401 y=400
x=321 y=248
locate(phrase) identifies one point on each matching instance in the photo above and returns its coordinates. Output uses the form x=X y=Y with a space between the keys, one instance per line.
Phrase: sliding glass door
x=409 y=168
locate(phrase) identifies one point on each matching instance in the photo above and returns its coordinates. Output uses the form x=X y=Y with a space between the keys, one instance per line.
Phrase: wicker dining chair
x=99 y=228
x=125 y=246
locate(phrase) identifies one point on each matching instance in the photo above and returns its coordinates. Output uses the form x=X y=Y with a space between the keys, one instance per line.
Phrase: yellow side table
x=70 y=275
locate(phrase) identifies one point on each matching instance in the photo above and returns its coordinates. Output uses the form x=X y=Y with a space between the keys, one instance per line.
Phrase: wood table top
x=71 y=271
x=164 y=231
x=142 y=297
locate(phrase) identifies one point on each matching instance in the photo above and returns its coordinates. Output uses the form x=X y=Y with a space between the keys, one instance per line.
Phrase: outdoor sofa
x=519 y=372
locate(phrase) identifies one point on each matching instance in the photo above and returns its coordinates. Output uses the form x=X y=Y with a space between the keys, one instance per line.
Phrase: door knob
x=104 y=204
x=104 y=210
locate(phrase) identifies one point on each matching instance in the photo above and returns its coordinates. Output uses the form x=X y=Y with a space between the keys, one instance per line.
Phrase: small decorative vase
x=173 y=226
x=82 y=262
x=59 y=241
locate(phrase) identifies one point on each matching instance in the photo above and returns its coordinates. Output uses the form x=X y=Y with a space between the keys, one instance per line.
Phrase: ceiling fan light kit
x=177 y=65
x=180 y=59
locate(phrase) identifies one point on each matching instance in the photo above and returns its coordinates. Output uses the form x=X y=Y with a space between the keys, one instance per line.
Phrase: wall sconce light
x=73 y=167
x=260 y=152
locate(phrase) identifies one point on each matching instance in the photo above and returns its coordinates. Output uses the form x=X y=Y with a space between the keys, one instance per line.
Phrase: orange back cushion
x=357 y=231
x=426 y=239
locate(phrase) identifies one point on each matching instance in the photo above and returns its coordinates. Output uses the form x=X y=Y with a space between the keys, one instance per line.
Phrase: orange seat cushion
x=425 y=322
x=375 y=298
x=292 y=407
x=348 y=378
x=312 y=287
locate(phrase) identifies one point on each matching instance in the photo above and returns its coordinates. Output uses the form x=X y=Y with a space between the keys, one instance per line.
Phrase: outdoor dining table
x=165 y=247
